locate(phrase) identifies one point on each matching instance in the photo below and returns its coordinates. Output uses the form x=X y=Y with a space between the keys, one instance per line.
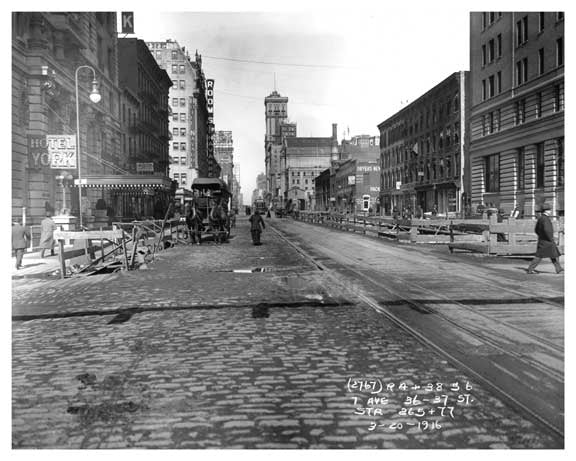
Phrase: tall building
x=224 y=155
x=191 y=101
x=353 y=174
x=305 y=159
x=424 y=150
x=517 y=112
x=276 y=117
x=48 y=50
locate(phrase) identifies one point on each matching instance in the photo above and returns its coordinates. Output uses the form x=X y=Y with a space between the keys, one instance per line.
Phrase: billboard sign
x=147 y=167
x=62 y=150
x=127 y=22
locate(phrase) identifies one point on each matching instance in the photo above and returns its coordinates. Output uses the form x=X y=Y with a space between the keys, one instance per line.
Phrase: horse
x=219 y=222
x=194 y=223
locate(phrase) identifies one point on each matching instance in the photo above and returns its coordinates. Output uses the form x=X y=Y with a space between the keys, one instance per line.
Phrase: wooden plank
x=87 y=235
x=62 y=259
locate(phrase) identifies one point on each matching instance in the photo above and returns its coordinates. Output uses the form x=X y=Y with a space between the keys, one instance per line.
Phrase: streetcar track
x=399 y=280
x=498 y=389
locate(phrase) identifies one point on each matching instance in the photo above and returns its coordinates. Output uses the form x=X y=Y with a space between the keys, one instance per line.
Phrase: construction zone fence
x=486 y=235
x=126 y=246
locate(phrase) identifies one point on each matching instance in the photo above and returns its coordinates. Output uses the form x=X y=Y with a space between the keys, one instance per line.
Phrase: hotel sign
x=62 y=150
x=52 y=151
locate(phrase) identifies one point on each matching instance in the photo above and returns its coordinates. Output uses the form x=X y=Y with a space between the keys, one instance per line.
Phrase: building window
x=174 y=68
x=521 y=71
x=540 y=61
x=522 y=31
x=560 y=162
x=183 y=117
x=182 y=102
x=182 y=84
x=560 y=51
x=174 y=55
x=491 y=122
x=538 y=104
x=492 y=173
x=499 y=46
x=175 y=146
x=498 y=122
x=175 y=117
x=484 y=21
x=184 y=177
x=182 y=71
x=520 y=167
x=558 y=99
x=182 y=146
x=498 y=82
x=492 y=16
x=484 y=90
x=541 y=17
x=177 y=177
x=174 y=102
x=483 y=125
x=540 y=165
x=182 y=131
x=491 y=89
x=174 y=131
x=520 y=111
x=484 y=60
x=182 y=160
x=491 y=54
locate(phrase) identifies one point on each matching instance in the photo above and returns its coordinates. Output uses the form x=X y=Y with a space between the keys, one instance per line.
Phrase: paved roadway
x=190 y=354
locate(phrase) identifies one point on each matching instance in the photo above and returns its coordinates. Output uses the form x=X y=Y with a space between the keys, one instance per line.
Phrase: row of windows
x=178 y=69
x=179 y=146
x=178 y=160
x=535 y=106
x=492 y=85
x=431 y=143
x=178 y=131
x=488 y=18
x=179 y=117
x=443 y=169
x=182 y=178
x=522 y=26
x=492 y=50
x=178 y=85
x=178 y=102
x=492 y=168
x=436 y=113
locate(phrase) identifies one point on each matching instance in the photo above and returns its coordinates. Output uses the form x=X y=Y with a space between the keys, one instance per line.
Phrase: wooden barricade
x=116 y=237
x=486 y=235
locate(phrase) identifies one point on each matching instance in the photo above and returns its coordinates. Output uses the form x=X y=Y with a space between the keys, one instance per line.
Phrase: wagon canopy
x=209 y=183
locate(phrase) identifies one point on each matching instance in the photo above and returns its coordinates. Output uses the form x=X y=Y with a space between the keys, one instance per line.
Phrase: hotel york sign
x=52 y=151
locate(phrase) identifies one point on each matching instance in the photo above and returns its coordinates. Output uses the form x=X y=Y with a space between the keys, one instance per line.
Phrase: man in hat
x=546 y=246
x=20 y=239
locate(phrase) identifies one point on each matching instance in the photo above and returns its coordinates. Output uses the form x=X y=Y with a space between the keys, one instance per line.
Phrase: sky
x=351 y=66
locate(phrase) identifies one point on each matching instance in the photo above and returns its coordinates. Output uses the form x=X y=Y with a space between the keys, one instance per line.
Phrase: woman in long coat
x=546 y=247
x=47 y=227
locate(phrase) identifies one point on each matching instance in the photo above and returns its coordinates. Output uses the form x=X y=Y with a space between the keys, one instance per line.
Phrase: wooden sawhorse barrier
x=116 y=237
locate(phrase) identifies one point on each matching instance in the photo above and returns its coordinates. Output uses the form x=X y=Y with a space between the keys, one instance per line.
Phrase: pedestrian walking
x=47 y=227
x=20 y=239
x=256 y=227
x=546 y=247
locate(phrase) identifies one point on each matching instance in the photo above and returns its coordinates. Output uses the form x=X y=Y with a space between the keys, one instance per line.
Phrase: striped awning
x=130 y=181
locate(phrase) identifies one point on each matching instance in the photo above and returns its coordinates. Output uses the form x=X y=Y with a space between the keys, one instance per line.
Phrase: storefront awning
x=130 y=181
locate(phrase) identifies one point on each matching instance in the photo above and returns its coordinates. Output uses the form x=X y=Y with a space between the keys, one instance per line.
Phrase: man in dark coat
x=546 y=246
x=256 y=227
x=20 y=238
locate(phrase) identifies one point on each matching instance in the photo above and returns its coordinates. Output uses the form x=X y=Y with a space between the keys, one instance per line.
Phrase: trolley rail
x=524 y=368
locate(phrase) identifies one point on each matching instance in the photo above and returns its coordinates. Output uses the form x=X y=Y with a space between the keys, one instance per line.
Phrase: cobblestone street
x=191 y=354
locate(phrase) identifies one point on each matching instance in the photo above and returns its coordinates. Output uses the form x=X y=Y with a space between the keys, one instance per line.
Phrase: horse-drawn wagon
x=209 y=211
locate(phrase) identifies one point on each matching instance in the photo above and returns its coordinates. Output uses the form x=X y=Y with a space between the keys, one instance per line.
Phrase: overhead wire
x=272 y=63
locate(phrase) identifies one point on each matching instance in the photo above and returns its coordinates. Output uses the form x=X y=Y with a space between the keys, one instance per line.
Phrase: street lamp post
x=95 y=98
